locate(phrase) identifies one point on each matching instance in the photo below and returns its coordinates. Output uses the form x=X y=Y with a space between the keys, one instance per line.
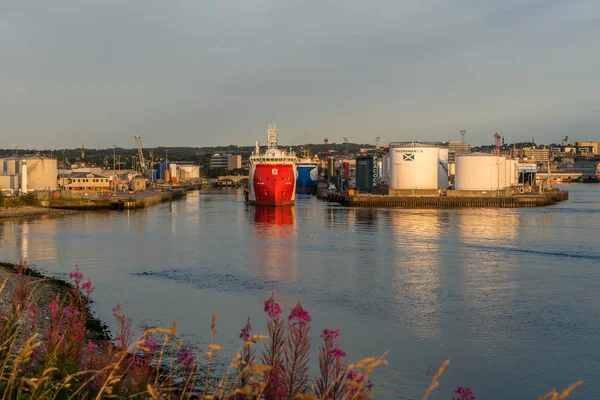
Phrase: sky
x=205 y=73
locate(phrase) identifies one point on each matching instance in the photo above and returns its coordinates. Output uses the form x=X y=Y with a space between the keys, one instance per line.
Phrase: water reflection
x=416 y=240
x=275 y=241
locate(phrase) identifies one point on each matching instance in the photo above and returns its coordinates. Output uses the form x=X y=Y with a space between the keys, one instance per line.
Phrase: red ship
x=272 y=177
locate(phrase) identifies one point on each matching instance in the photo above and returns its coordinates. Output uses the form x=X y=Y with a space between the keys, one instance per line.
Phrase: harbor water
x=510 y=296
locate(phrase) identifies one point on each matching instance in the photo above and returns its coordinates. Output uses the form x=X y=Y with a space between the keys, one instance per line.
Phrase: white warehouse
x=480 y=171
x=28 y=173
x=418 y=166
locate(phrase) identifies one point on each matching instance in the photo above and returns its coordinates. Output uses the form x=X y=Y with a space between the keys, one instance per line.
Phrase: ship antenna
x=272 y=137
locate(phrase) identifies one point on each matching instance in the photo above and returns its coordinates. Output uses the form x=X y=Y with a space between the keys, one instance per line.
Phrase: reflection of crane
x=141 y=155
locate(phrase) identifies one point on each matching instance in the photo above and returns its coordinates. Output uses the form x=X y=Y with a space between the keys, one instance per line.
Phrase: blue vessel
x=308 y=172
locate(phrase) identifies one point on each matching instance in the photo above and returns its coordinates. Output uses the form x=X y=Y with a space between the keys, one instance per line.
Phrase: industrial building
x=457 y=149
x=418 y=166
x=591 y=148
x=367 y=174
x=483 y=172
x=84 y=182
x=22 y=174
x=226 y=161
x=177 y=172
x=535 y=154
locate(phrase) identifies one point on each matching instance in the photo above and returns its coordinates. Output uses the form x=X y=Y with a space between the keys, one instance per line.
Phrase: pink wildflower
x=53 y=306
x=92 y=347
x=330 y=334
x=299 y=314
x=149 y=344
x=87 y=286
x=76 y=276
x=337 y=352
x=271 y=308
x=186 y=358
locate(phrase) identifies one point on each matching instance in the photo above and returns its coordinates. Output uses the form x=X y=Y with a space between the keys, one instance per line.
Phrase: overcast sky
x=201 y=72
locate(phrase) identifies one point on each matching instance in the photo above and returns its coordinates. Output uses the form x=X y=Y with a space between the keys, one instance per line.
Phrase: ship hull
x=272 y=184
x=307 y=178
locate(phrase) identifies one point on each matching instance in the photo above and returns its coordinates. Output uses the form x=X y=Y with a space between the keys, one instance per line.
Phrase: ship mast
x=272 y=137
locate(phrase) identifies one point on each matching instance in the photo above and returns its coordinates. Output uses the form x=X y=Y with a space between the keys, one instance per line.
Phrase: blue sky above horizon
x=195 y=73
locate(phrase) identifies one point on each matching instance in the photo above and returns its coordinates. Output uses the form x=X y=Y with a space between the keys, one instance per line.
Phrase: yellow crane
x=141 y=155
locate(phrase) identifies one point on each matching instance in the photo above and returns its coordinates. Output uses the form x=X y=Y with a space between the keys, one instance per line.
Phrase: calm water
x=511 y=297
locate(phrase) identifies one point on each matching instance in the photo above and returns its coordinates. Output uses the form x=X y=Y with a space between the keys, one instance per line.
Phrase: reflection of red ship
x=275 y=247
x=272 y=175
x=275 y=216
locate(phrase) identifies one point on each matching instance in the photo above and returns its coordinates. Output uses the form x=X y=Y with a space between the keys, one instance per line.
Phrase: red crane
x=496 y=144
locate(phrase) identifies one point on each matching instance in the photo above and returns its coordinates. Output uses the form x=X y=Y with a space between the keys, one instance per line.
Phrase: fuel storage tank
x=479 y=171
x=414 y=166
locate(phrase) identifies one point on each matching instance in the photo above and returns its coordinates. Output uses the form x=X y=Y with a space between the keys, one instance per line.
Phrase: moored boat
x=308 y=172
x=272 y=174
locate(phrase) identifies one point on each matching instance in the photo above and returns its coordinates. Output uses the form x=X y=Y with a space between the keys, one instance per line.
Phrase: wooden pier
x=443 y=202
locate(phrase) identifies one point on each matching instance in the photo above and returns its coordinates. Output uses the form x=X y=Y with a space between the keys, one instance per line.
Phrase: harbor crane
x=565 y=140
x=141 y=155
x=496 y=144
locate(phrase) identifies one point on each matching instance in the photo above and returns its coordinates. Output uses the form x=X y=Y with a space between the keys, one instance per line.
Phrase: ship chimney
x=256 y=147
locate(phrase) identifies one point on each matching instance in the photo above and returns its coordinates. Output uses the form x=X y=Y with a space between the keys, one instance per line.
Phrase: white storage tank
x=42 y=173
x=380 y=170
x=414 y=166
x=443 y=169
x=480 y=171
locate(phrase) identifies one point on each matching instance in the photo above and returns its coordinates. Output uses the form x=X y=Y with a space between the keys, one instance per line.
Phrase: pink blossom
x=272 y=309
x=87 y=286
x=337 y=352
x=53 y=306
x=149 y=344
x=330 y=334
x=92 y=347
x=299 y=314
x=186 y=358
x=76 y=276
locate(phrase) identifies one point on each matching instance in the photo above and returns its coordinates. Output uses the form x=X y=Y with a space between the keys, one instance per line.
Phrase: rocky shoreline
x=45 y=289
x=31 y=211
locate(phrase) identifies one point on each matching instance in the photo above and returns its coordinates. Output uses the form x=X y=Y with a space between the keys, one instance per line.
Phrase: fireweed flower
x=271 y=308
x=76 y=276
x=298 y=314
x=337 y=352
x=245 y=335
x=186 y=358
x=149 y=344
x=87 y=286
x=464 y=394
x=330 y=334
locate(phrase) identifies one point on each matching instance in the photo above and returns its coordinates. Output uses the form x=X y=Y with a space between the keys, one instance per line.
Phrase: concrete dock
x=443 y=202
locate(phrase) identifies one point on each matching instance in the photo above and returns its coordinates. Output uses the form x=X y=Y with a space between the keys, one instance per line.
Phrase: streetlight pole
x=114 y=162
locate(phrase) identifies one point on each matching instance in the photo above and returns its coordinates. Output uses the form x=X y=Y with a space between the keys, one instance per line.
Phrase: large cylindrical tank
x=443 y=169
x=330 y=166
x=167 y=175
x=480 y=171
x=414 y=167
x=42 y=173
x=346 y=168
x=380 y=170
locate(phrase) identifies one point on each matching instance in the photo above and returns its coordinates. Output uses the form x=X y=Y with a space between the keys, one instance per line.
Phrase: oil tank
x=479 y=171
x=346 y=168
x=366 y=173
x=414 y=166
x=42 y=173
x=330 y=167
x=443 y=169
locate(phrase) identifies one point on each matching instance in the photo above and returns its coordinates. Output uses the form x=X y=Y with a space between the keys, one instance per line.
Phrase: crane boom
x=141 y=155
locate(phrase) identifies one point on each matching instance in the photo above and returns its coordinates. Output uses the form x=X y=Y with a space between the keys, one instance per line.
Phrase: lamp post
x=114 y=162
